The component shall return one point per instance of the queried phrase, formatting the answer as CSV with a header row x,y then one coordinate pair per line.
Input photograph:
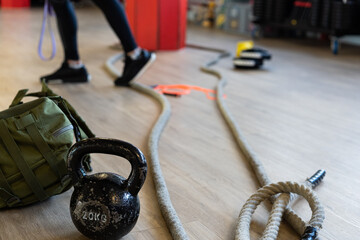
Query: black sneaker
x,y
66,74
134,68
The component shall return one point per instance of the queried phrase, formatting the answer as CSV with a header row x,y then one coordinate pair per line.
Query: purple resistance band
x,y
48,10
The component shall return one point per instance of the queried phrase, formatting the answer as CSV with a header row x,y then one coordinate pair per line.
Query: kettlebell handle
x,y
108,146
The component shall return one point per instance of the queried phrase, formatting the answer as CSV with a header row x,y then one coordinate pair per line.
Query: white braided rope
x,y
109,65
172,220
167,210
243,225
174,224
282,205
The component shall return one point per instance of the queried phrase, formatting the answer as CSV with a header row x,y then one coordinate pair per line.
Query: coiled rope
x,y
279,207
269,190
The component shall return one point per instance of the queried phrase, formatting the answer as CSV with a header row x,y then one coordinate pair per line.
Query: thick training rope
x,y
273,225
166,207
242,231
280,207
172,220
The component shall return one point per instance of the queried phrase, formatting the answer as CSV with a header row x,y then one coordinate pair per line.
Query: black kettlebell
x,y
105,205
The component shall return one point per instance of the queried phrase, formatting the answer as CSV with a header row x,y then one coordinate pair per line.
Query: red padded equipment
x,y
158,24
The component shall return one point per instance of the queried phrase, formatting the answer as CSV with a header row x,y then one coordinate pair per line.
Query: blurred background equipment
x,y
334,18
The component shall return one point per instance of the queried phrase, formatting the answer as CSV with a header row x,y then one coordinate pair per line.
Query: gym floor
x,y
299,113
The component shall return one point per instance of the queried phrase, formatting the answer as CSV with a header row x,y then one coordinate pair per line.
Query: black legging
x,y
67,24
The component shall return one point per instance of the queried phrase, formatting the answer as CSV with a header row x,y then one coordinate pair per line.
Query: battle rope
x,y
272,228
308,231
166,207
292,218
172,220
47,11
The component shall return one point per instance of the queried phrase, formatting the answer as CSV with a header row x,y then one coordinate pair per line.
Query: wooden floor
x,y
300,113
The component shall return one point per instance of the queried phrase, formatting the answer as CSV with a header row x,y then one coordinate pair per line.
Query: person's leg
x,y
72,69
67,25
116,17
136,59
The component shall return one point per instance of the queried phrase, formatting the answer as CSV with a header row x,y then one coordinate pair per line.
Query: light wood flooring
x,y
299,113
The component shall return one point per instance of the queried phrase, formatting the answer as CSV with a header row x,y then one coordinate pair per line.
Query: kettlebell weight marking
x,y
94,216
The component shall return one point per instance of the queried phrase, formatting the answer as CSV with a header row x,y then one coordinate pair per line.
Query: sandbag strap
x,y
10,199
80,128
18,98
73,116
5,192
24,168
65,110
28,122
